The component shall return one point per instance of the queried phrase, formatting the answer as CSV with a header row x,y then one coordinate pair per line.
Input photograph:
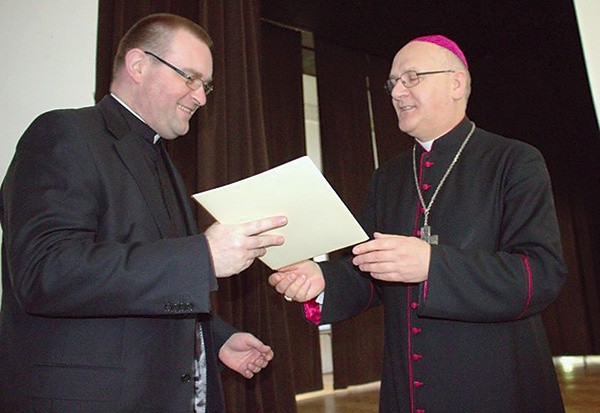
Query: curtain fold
x,y
348,163
232,145
284,124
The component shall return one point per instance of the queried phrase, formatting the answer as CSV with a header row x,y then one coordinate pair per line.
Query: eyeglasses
x,y
410,78
192,82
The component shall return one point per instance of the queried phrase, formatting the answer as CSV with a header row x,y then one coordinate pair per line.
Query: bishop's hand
x,y
394,258
300,282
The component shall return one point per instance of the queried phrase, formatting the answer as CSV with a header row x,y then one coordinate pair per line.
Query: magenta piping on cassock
x,y
529,285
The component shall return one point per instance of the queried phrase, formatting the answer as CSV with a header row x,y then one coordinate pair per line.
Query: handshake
x,y
235,247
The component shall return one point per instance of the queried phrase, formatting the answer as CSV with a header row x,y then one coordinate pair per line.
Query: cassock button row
x,y
418,384
416,330
428,164
417,357
419,411
414,305
425,187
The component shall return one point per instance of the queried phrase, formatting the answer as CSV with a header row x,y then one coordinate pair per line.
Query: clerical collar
x,y
156,136
449,140
426,145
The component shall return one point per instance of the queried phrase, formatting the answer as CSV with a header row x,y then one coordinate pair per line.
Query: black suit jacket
x,y
99,308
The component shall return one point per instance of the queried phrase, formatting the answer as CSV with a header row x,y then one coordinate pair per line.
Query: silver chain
x,y
421,199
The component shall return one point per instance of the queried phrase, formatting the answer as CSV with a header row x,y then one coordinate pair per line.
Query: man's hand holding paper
x,y
235,247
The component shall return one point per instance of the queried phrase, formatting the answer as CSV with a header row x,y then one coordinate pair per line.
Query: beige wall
x,y
588,12
48,50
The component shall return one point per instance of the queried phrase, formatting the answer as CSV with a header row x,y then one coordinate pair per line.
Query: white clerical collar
x,y
156,137
426,145
429,144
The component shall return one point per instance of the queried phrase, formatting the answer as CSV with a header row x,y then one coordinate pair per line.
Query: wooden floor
x,y
579,379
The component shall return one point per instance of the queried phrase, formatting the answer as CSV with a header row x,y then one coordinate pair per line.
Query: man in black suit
x,y
106,282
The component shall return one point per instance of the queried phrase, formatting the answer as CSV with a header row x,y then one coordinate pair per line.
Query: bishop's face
x,y
426,110
167,103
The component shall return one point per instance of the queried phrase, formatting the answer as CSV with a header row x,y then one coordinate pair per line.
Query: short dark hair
x,y
154,33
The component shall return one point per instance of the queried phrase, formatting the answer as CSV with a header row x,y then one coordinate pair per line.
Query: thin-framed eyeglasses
x,y
192,82
411,78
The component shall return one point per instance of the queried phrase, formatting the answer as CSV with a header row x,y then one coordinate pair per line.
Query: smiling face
x,y
163,99
438,102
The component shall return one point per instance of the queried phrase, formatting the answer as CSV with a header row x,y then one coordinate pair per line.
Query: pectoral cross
x,y
426,235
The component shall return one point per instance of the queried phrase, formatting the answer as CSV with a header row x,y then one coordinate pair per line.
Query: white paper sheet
x,y
318,221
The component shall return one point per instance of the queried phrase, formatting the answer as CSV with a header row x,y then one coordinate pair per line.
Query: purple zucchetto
x,y
446,44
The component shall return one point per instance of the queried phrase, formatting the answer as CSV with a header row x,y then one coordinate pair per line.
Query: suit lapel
x,y
128,148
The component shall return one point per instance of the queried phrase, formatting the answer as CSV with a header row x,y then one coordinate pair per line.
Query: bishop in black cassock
x,y
465,255
470,338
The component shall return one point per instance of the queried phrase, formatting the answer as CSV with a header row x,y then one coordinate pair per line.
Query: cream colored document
x,y
318,220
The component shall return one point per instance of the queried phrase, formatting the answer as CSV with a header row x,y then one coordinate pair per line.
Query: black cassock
x,y
470,338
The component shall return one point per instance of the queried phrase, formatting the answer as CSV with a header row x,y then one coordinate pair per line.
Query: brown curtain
x,y
284,124
233,146
227,142
348,164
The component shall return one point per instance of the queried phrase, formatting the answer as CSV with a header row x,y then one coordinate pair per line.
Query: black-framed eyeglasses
x,y
410,78
192,82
